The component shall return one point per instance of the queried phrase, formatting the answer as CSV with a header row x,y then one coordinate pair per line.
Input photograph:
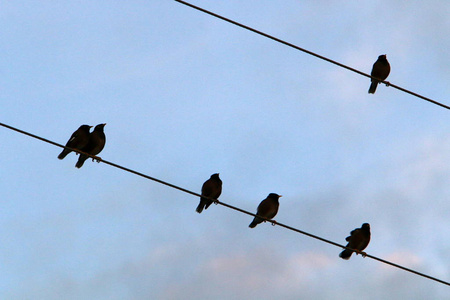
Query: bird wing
x,y
376,70
73,136
267,209
207,188
354,231
357,240
380,70
263,208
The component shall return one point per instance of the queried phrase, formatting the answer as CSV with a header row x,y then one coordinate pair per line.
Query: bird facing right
x,y
78,140
97,140
212,188
268,209
358,240
380,70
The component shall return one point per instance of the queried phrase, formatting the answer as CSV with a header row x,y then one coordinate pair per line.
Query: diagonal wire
x,y
273,222
310,52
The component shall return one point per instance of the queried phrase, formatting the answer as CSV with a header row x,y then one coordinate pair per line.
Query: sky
x,y
186,95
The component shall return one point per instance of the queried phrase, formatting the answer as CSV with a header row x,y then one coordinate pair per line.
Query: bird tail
x,y
346,254
208,203
200,206
81,161
255,222
373,87
64,153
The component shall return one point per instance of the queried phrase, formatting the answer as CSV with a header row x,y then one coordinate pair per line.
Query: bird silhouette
x,y
97,140
380,70
358,240
268,209
78,140
211,188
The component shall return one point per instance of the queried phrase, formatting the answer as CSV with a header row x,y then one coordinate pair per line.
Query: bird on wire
x,y
211,188
78,140
268,209
97,140
358,240
380,70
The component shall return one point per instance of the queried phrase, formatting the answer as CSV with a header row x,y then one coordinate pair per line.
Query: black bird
x,y
380,70
358,240
268,209
97,140
212,188
78,140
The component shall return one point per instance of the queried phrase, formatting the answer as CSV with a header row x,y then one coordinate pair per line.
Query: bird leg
x,y
215,201
273,222
97,158
388,83
363,254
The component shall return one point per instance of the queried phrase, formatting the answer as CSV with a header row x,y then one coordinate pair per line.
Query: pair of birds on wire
x,y
268,208
89,142
212,188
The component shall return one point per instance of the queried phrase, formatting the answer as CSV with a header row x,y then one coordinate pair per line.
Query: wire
x,y
273,222
310,53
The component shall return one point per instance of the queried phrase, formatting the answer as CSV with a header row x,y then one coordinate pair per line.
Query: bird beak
x,y
90,127
280,196
104,124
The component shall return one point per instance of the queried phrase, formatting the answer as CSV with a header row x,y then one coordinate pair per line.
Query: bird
x,y
211,188
358,240
97,140
380,70
78,140
268,209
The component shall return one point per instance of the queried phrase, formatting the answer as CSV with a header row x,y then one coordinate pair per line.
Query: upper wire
x,y
273,222
311,53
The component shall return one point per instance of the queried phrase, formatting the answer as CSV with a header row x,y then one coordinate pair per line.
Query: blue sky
x,y
185,95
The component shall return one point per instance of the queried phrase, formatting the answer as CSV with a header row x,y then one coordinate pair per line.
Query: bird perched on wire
x,y
78,140
380,70
211,188
97,140
268,209
358,240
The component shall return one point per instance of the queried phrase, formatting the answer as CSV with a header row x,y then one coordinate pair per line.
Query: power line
x,y
273,222
309,52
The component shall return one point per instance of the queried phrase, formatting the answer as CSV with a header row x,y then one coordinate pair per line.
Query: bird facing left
x,y
78,140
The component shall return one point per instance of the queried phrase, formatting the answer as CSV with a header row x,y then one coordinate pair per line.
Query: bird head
x,y
85,127
100,126
274,196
